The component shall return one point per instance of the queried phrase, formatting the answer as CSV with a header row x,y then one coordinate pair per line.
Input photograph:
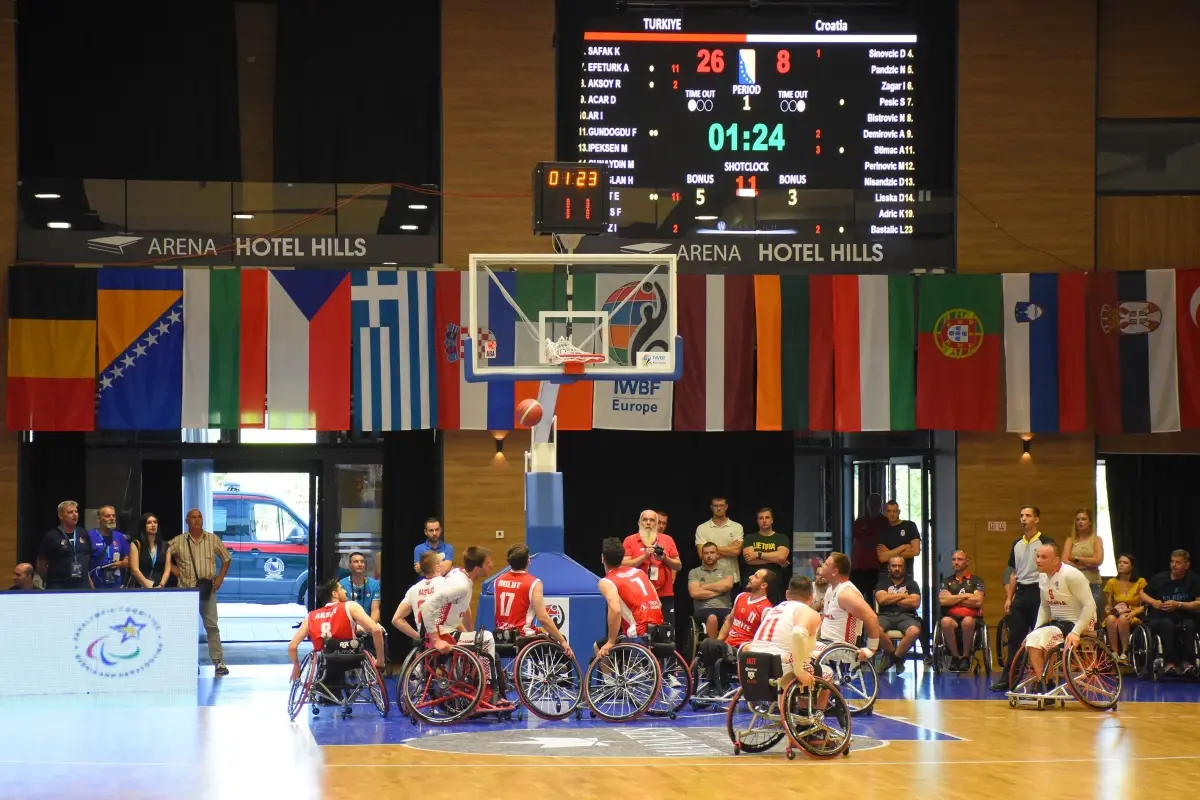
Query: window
x,y
1142,157
219,521
1103,523
268,523
276,436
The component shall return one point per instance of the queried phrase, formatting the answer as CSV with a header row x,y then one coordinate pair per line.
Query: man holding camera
x,y
195,554
655,554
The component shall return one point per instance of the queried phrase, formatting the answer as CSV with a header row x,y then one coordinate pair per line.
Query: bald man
x,y
655,554
23,578
195,554
961,599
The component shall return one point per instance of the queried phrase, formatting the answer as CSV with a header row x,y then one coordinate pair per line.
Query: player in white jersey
x,y
844,611
789,630
445,609
417,594
1068,607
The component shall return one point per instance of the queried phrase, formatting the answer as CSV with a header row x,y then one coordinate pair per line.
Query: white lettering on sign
x,y
659,24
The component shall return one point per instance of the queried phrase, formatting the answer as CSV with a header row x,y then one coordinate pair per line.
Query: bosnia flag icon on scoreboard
x,y
746,68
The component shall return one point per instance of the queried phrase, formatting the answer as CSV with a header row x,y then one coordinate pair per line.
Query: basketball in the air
x,y
529,412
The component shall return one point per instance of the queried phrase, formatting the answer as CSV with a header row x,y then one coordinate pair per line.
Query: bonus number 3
x,y
710,60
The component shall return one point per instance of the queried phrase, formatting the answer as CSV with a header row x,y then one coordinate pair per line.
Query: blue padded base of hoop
x,y
551,374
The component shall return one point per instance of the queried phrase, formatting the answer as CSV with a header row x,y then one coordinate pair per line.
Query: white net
x,y
564,351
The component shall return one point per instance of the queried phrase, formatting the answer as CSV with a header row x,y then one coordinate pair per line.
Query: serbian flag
x,y
1045,352
1133,348
716,321
794,326
308,350
1187,299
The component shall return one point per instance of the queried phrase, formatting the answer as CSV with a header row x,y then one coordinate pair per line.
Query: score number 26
x,y
714,61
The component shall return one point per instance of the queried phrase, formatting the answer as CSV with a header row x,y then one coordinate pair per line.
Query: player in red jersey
x,y
334,620
519,600
739,627
632,602
430,566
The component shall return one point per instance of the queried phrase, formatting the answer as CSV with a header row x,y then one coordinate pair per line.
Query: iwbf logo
x,y
636,397
638,331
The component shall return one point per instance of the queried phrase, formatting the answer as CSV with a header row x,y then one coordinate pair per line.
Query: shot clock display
x,y
834,122
570,198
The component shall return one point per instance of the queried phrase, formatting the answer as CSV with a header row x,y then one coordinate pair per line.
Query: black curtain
x,y
134,90
51,468
412,493
358,92
162,495
609,477
1151,506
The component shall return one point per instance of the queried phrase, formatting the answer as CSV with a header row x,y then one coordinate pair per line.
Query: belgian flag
x,y
51,349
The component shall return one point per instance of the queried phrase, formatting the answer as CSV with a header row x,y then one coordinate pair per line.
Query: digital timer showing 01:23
x,y
757,138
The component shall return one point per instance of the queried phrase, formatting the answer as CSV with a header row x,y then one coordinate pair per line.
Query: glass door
x,y
908,485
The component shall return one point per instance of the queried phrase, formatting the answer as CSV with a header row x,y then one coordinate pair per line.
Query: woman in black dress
x,y
147,553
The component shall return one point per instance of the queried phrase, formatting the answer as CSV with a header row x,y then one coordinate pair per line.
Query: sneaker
x,y
999,686
1171,669
221,668
898,663
1190,670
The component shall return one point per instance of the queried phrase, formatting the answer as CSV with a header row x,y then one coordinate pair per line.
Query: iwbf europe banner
x,y
638,316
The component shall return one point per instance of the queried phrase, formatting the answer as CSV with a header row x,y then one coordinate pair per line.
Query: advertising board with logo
x,y
637,336
98,642
559,609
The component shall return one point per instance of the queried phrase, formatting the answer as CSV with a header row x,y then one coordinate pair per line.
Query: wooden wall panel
x,y
8,254
1026,134
994,482
1148,232
1147,58
497,120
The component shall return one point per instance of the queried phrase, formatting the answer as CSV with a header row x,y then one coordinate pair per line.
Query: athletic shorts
x,y
1052,634
898,621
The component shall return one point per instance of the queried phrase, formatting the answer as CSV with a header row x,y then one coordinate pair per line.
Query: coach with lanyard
x,y
1022,597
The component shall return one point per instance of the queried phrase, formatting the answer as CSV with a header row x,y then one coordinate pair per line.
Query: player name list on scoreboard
x,y
722,115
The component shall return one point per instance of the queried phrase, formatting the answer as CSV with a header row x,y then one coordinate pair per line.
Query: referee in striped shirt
x,y
1022,597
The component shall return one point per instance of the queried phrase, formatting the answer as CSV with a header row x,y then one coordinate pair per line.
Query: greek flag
x,y
392,318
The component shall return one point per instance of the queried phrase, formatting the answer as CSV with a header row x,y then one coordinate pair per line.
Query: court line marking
x,y
916,725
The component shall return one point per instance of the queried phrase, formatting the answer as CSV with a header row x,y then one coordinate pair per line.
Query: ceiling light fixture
x,y
408,227
48,196
59,225
243,216
418,207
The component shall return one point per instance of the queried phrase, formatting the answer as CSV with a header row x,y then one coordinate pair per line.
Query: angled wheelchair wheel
x,y
1020,676
1001,647
302,686
857,680
376,686
1093,675
753,727
443,689
817,718
676,688
1141,653
986,643
624,684
548,681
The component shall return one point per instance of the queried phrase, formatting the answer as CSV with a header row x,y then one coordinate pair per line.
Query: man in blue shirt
x,y
110,551
433,541
360,588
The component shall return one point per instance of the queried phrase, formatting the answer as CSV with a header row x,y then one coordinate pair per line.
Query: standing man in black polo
x,y
1022,597
899,537
65,554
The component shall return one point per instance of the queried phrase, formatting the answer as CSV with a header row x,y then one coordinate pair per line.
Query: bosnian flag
x,y
1045,352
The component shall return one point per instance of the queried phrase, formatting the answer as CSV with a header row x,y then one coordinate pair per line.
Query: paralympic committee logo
x,y
958,333
118,642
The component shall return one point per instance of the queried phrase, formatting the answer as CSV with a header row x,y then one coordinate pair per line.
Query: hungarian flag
x,y
1187,297
1135,385
873,352
794,320
1045,352
716,321
958,352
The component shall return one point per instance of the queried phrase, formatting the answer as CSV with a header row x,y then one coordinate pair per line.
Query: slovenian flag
x,y
1045,352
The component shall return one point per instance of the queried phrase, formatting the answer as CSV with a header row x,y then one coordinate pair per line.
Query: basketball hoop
x,y
565,353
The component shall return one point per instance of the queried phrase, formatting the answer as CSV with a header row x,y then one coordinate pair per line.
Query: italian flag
x,y
960,331
794,321
873,355
224,348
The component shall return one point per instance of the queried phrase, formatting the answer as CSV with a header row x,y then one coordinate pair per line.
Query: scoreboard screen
x,y
744,121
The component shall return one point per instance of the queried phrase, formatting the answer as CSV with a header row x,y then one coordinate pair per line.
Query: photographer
x,y
195,554
655,554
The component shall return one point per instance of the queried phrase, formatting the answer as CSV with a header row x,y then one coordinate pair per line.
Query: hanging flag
x,y
958,352
474,406
140,335
716,321
392,314
874,352
224,348
1045,352
51,349
543,291
794,321
308,350
639,310
1133,349
1187,314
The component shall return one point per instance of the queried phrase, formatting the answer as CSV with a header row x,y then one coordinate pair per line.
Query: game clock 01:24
x,y
570,198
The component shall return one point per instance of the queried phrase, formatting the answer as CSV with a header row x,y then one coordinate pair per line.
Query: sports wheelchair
x,y
636,678
700,697
548,682
857,680
979,654
444,689
357,675
1087,674
815,718
1145,652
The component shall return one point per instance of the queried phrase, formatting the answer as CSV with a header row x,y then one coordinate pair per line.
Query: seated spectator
x,y
709,585
961,599
1174,599
1123,606
360,588
898,598
23,578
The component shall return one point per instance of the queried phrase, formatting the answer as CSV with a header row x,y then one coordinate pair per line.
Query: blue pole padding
x,y
544,512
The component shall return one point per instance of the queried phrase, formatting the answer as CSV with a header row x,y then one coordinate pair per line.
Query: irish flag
x,y
873,352
959,334
794,320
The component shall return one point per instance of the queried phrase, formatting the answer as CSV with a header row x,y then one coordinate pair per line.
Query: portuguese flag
x,y
959,332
